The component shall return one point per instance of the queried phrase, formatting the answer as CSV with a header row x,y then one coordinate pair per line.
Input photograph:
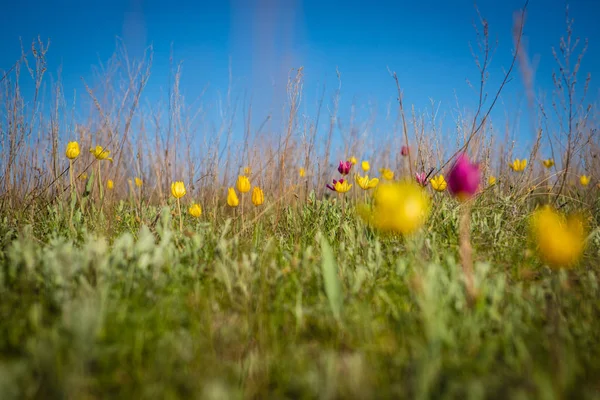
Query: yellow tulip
x,y
584,180
559,240
353,160
365,166
518,165
100,153
258,197
72,150
387,174
195,210
342,187
549,163
365,183
178,189
243,184
138,182
302,172
492,180
398,207
110,184
438,183
232,199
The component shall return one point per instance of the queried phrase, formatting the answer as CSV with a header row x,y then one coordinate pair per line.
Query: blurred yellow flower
x,y
302,172
387,174
365,166
232,199
353,160
100,153
138,182
342,186
178,189
438,183
365,183
492,180
243,184
195,210
83,176
559,240
518,165
584,180
247,171
72,150
110,184
549,163
398,207
258,197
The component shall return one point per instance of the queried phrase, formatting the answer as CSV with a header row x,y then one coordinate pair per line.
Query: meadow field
x,y
146,255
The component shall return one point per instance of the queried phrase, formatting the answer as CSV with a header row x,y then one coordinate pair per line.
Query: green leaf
x,y
333,288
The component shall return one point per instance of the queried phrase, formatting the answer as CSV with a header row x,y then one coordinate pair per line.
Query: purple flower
x,y
404,151
421,178
344,167
464,178
332,187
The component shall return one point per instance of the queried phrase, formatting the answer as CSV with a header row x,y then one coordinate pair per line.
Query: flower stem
x,y
466,250
180,217
73,193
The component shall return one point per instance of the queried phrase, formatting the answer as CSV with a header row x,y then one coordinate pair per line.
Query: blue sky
x,y
425,42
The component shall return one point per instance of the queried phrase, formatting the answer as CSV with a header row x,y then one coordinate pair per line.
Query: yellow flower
x,y
584,180
559,240
247,171
365,166
72,150
549,163
342,187
243,184
492,180
178,189
195,210
138,182
100,153
365,183
302,172
83,176
518,165
258,197
398,207
438,183
353,160
110,184
232,199
387,174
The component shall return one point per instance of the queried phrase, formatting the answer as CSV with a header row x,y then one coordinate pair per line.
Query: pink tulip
x,y
421,178
404,151
464,177
344,167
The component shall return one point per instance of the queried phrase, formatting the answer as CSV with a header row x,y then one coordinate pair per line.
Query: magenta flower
x,y
344,167
404,151
332,187
421,178
464,178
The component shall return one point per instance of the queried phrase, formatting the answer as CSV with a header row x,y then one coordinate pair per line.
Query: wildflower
x,y
398,207
110,184
584,180
463,179
344,167
365,183
247,171
341,186
387,174
421,178
258,197
365,166
232,199
492,180
549,163
195,210
438,183
138,182
302,172
353,160
83,176
243,184
404,151
178,189
559,240
72,151
518,165
101,153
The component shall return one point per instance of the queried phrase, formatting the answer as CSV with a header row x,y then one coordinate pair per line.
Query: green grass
x,y
312,304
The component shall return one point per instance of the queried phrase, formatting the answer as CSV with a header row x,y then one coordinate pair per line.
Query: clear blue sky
x,y
426,42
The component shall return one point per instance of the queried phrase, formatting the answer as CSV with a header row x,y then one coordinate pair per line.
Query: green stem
x,y
180,217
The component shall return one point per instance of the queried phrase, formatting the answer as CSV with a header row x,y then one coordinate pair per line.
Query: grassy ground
x,y
306,303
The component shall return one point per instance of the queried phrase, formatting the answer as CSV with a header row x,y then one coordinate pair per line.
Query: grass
x,y
315,305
